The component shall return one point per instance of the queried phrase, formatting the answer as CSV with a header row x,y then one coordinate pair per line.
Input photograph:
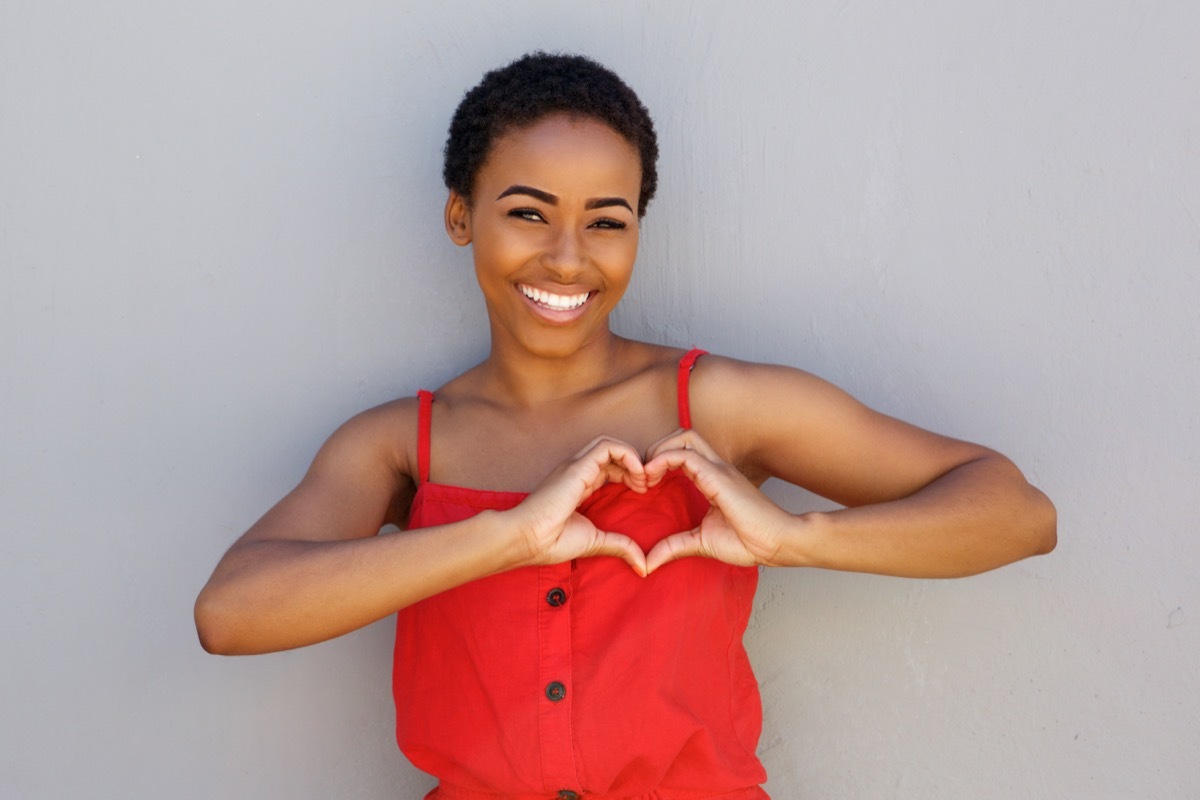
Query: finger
x,y
633,471
683,439
602,444
674,547
631,475
682,442
617,473
621,546
655,448
587,448
620,461
607,461
700,470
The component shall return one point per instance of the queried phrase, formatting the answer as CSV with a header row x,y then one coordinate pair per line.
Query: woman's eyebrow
x,y
549,199
605,202
537,194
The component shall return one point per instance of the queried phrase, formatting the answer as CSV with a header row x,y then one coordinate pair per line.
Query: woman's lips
x,y
558,302
553,306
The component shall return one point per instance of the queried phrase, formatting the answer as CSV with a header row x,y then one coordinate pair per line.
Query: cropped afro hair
x,y
532,87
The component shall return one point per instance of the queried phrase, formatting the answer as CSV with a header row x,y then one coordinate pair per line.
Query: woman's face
x,y
554,227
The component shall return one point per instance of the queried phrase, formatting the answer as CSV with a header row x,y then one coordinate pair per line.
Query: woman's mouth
x,y
554,302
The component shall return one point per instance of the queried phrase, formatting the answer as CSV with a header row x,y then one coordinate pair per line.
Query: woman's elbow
x,y
213,626
1043,516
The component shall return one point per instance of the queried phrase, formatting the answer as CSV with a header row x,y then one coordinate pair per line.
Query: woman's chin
x,y
557,342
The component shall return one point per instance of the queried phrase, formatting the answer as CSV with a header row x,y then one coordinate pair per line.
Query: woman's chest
x,y
487,448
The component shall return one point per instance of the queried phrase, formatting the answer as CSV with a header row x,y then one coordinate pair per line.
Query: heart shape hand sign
x,y
607,500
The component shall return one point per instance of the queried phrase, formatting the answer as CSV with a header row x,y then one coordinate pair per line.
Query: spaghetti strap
x,y
424,424
685,373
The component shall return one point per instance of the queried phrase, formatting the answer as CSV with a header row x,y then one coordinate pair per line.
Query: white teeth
x,y
559,302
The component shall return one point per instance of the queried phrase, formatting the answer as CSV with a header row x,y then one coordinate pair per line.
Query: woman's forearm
x,y
276,594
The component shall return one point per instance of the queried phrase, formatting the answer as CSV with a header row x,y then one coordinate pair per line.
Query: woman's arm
x,y
918,504
312,568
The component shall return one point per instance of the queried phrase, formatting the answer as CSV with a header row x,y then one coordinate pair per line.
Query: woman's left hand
x,y
743,527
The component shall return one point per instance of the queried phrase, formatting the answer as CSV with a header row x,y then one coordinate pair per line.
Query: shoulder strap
x,y
685,373
424,423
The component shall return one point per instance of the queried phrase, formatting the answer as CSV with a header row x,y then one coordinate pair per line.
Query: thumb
x,y
678,545
621,546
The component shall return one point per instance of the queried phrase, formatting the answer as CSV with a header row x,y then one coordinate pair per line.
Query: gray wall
x,y
220,236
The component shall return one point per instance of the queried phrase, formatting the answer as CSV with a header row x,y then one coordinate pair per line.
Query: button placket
x,y
555,675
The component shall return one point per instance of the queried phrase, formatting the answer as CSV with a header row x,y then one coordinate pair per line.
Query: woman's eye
x,y
529,214
609,224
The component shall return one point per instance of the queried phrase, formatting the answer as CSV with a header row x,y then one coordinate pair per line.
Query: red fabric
x,y
657,701
685,372
424,420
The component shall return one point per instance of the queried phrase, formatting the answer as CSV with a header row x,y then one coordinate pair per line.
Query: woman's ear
x,y
458,219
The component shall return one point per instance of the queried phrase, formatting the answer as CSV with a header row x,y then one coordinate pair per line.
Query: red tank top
x,y
582,679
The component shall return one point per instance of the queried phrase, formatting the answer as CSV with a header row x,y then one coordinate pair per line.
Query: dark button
x,y
556,691
556,597
567,794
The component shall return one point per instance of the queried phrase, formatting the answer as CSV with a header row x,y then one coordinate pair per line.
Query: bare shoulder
x,y
381,437
360,479
728,389
733,402
727,376
747,390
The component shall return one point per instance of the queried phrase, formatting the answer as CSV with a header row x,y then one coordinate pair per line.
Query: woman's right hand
x,y
549,524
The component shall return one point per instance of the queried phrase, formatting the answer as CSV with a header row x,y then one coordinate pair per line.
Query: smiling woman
x,y
582,519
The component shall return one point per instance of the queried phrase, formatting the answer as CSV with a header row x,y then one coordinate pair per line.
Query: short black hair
x,y
535,86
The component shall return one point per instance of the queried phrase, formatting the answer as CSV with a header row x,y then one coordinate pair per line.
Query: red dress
x,y
582,679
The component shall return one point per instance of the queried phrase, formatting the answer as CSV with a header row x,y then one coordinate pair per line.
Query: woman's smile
x,y
553,306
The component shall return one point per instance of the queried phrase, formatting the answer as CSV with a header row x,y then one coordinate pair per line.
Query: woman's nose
x,y
566,254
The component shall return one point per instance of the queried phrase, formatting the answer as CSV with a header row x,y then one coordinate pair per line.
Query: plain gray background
x,y
220,236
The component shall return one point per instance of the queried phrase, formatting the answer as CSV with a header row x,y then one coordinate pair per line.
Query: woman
x,y
583,523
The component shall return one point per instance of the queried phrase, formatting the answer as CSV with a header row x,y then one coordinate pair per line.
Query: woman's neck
x,y
513,374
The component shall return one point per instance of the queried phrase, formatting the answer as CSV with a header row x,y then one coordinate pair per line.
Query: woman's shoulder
x,y
738,404
400,414
735,379
383,435
724,387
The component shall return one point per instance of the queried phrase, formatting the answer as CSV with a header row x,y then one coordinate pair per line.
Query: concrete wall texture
x,y
220,236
